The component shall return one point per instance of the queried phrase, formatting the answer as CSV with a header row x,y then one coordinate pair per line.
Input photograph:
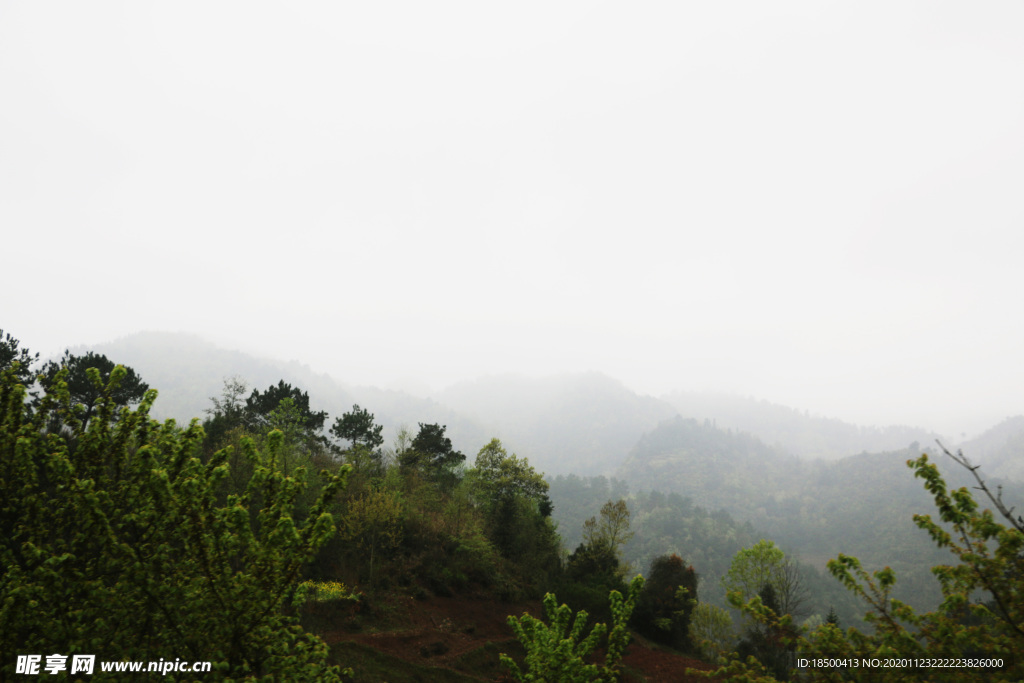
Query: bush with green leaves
x,y
557,652
114,541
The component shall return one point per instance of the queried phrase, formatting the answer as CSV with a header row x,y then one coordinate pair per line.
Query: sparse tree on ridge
x,y
432,453
11,352
86,390
231,403
358,428
365,439
260,404
227,413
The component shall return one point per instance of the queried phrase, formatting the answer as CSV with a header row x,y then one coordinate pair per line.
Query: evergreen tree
x,y
432,453
86,388
358,428
260,404
11,352
364,436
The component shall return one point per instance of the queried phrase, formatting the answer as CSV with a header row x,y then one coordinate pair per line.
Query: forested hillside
x,y
861,505
709,539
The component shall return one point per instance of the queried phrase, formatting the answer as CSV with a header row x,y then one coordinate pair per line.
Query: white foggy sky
x,y
820,204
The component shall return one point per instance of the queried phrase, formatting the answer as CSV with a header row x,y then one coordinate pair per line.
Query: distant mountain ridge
x,y
792,431
585,423
1000,450
187,370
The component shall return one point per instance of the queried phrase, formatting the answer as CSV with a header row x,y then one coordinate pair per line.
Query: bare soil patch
x,y
465,634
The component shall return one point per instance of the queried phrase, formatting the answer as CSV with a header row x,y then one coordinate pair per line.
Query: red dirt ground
x,y
438,631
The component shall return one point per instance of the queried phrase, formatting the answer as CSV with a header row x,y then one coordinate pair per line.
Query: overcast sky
x,y
820,204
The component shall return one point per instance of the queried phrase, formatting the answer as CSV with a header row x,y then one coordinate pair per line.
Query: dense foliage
x,y
114,541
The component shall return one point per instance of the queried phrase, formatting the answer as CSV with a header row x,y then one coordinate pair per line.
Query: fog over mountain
x,y
188,370
584,423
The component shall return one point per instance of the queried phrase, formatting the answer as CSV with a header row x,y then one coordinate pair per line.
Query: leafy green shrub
x,y
323,591
114,542
555,651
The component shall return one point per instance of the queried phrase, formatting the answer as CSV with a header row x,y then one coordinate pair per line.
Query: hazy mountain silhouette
x,y
580,423
793,431
187,370
1000,450
585,423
